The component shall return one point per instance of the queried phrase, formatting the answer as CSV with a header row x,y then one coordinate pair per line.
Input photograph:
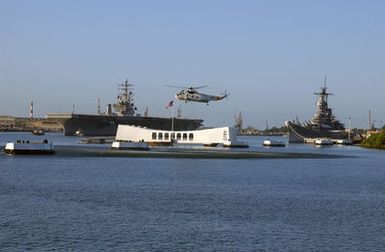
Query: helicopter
x,y
192,94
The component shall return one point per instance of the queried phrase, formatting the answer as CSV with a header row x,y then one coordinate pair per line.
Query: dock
x,y
97,140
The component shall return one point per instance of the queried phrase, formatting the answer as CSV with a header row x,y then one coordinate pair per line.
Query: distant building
x,y
7,122
372,132
29,124
10,123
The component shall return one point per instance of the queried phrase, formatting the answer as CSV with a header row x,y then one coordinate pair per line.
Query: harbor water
x,y
166,204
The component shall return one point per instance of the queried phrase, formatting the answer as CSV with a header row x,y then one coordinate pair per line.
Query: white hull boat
x,y
274,143
129,145
343,141
29,147
323,141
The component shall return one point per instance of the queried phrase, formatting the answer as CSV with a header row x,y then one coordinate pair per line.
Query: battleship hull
x,y
301,134
106,125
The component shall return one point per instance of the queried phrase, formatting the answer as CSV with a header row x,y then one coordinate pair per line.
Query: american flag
x,y
169,104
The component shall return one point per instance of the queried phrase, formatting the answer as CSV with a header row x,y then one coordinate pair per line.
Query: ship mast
x,y
238,122
324,118
125,101
98,107
322,102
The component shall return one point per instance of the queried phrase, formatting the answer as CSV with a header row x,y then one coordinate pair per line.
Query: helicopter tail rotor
x,y
225,94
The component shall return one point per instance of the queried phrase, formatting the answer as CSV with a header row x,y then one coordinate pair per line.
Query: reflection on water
x,y
74,203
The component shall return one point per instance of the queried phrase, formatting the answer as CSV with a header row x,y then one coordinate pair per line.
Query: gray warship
x,y
105,124
322,125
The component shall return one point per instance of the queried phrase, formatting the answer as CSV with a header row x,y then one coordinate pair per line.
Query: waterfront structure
x,y
7,123
105,124
10,123
322,125
225,136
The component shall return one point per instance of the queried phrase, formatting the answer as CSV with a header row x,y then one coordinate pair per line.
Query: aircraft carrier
x,y
105,124
322,125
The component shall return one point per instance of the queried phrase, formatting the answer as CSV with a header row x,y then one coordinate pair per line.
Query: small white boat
x,y
38,132
129,145
323,141
274,143
343,141
78,133
29,147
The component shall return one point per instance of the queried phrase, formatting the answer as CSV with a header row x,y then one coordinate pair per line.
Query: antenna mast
x,y
98,105
325,83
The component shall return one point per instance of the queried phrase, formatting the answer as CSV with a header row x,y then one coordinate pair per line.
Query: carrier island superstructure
x,y
105,124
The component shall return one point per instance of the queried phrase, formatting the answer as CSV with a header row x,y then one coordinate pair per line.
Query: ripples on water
x,y
73,203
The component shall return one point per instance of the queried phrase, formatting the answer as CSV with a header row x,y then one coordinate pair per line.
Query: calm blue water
x,y
97,203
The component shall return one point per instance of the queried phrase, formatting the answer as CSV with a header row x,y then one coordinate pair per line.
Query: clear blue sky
x,y
270,55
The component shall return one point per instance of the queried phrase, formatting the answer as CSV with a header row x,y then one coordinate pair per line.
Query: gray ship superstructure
x,y
124,105
322,125
125,113
324,119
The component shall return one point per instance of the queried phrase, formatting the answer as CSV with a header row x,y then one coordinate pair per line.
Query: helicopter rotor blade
x,y
199,87
174,86
186,87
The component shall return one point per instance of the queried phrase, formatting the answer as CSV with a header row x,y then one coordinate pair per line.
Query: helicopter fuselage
x,y
194,96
